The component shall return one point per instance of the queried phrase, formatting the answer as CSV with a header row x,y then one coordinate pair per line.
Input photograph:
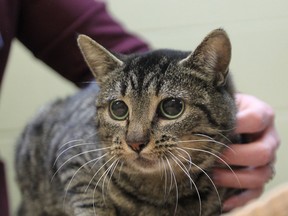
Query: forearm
x,y
50,28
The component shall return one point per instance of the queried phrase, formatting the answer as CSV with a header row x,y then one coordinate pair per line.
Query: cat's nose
x,y
137,146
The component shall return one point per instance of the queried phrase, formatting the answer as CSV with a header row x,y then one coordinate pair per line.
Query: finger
x,y
251,121
257,153
254,115
248,178
241,199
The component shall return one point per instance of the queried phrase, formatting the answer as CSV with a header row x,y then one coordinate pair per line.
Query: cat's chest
x,y
160,195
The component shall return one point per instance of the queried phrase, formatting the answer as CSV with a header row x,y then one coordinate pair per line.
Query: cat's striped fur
x,y
147,147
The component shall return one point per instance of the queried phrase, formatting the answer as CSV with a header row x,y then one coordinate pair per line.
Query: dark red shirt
x,y
49,29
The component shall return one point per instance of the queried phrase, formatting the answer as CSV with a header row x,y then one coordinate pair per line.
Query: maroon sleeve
x,y
3,192
49,28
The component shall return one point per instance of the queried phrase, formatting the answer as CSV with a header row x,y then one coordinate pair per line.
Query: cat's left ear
x,y
212,57
99,60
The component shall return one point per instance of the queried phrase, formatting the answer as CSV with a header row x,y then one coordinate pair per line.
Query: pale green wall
x,y
259,35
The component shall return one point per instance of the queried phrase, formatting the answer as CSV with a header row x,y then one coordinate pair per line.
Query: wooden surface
x,y
274,203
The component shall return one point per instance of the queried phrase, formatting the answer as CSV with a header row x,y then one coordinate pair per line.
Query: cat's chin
x,y
144,163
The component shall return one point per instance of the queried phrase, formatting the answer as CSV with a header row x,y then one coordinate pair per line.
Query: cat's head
x,y
164,107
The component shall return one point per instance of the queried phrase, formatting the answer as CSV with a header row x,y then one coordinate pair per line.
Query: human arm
x,y
50,28
255,120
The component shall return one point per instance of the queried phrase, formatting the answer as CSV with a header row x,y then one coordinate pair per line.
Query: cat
x,y
143,141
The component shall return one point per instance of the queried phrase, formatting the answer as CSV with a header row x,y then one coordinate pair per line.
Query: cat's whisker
x,y
225,137
92,135
217,142
104,176
113,170
186,172
75,173
171,176
98,159
78,140
160,168
120,170
219,158
227,130
185,152
175,182
208,140
77,145
206,147
96,185
206,174
182,166
71,158
69,142
165,177
98,172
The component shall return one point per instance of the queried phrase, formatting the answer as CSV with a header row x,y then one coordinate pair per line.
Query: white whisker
x,y
78,140
226,138
113,170
216,190
69,142
98,172
182,166
165,179
75,173
77,145
206,140
104,174
190,159
120,169
219,158
217,142
71,158
186,172
175,182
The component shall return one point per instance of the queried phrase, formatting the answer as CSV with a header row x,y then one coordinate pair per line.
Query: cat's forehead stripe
x,y
143,73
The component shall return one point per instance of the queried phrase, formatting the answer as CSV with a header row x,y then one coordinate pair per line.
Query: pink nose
x,y
137,146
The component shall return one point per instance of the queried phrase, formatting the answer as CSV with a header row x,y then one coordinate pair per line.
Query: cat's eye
x,y
171,108
118,110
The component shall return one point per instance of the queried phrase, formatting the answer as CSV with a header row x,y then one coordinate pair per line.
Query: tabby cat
x,y
141,142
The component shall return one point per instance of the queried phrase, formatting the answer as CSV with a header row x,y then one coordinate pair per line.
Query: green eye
x,y
171,108
118,110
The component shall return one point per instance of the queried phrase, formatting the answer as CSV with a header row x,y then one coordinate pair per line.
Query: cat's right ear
x,y
99,60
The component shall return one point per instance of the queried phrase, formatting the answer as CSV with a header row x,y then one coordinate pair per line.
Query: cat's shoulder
x,y
65,109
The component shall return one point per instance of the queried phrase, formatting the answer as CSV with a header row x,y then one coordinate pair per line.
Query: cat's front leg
x,y
94,212
81,208
85,199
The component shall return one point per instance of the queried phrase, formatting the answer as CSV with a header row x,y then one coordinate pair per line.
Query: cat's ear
x,y
211,57
99,60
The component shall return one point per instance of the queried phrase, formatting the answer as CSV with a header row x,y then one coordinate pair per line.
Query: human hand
x,y
255,120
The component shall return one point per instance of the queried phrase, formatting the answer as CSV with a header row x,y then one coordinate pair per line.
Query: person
x,y
49,30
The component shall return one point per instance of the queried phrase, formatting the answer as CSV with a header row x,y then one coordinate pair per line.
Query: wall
x,y
258,31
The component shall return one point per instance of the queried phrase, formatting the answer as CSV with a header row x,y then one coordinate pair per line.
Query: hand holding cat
x,y
255,119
